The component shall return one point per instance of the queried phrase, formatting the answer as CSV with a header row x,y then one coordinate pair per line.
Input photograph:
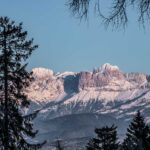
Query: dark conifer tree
x,y
59,145
138,135
15,49
106,139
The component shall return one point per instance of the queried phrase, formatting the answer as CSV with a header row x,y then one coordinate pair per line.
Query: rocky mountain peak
x,y
106,75
108,67
42,73
45,86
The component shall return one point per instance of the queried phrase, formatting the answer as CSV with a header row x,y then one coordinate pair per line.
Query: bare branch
x,y
79,8
118,15
144,8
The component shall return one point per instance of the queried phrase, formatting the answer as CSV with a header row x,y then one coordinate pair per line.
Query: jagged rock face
x,y
45,85
100,77
42,73
111,71
88,79
108,77
139,79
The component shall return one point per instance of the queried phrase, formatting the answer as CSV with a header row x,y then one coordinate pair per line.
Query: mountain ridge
x,y
48,86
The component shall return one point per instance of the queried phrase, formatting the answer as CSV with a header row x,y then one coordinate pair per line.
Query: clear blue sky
x,y
65,44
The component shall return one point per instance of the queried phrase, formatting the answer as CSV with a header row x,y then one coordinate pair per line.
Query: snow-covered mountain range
x,y
73,104
105,83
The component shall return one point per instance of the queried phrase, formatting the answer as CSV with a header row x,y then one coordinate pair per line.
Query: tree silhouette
x,y
106,139
117,15
15,127
138,134
59,145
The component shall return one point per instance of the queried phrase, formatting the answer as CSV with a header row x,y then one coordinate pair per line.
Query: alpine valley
x,y
71,105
